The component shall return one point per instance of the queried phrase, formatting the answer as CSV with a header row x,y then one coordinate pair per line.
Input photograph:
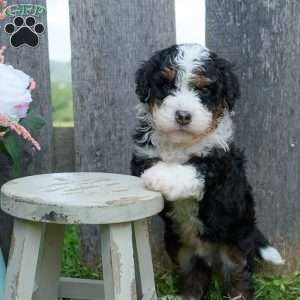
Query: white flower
x,y
15,96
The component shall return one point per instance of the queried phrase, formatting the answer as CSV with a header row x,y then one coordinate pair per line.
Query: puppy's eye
x,y
168,74
201,82
205,91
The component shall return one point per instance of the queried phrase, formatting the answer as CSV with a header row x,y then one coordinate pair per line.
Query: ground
x,y
268,286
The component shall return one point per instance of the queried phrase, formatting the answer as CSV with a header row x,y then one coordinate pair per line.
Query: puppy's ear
x,y
142,88
230,83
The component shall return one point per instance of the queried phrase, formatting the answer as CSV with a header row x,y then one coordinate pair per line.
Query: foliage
x,y
71,265
11,145
277,287
62,102
16,118
166,283
268,286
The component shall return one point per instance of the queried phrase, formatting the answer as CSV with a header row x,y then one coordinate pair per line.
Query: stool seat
x,y
79,198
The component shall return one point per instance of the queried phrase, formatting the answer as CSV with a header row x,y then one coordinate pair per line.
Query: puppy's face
x,y
186,88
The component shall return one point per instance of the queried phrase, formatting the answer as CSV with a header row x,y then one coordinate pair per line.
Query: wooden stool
x,y
42,204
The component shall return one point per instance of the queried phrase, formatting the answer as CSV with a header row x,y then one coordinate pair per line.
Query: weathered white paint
x,y
87,198
118,263
23,259
36,253
75,288
143,261
48,273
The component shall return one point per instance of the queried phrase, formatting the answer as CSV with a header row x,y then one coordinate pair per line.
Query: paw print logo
x,y
24,32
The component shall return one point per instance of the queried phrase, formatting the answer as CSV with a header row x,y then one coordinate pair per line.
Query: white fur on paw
x,y
174,181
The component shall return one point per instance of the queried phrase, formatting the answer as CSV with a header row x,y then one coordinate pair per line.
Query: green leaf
x,y
2,147
33,121
13,146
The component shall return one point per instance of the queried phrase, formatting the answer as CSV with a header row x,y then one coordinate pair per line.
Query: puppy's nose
x,y
183,117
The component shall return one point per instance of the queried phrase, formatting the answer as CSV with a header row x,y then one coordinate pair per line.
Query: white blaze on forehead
x,y
189,57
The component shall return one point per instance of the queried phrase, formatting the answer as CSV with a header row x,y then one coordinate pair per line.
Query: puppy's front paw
x,y
153,178
174,181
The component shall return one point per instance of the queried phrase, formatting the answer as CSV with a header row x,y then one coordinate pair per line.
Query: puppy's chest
x,y
171,154
184,214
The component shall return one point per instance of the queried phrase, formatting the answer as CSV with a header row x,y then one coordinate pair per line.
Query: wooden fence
x,y
263,39
110,38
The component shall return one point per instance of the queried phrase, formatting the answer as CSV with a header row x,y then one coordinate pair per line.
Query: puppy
x,y
184,149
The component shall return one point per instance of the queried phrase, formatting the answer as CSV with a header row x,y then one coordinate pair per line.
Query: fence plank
x,y
35,62
109,40
63,149
263,38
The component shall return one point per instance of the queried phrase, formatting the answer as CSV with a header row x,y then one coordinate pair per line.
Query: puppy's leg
x,y
237,274
172,241
195,279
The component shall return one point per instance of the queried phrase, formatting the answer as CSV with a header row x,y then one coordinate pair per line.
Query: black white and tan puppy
x,y
184,149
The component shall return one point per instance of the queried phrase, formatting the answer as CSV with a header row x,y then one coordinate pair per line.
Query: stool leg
x,y
117,261
49,263
23,259
143,257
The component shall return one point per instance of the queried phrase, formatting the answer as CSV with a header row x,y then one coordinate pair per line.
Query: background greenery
x,y
268,286
61,90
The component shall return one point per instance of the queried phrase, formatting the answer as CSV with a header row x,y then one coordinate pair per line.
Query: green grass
x,y
278,287
268,287
71,266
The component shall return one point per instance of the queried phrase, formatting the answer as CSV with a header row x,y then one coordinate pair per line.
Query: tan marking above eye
x,y
169,74
200,80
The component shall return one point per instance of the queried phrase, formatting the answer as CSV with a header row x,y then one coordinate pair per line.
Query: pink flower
x,y
3,5
19,129
2,57
22,109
